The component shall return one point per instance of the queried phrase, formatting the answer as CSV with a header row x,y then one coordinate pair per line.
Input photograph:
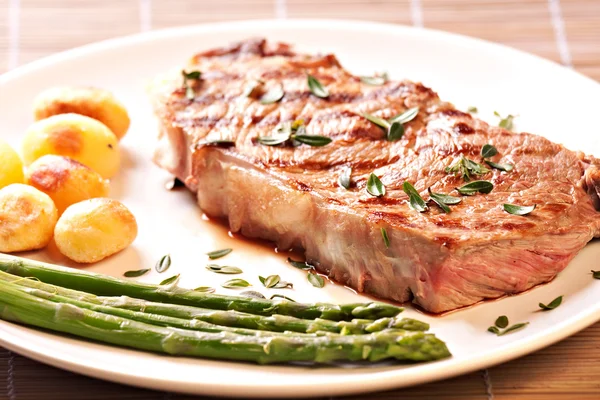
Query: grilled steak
x,y
290,193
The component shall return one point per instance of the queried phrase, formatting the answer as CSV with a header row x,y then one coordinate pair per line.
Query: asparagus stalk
x,y
21,307
149,318
104,285
275,323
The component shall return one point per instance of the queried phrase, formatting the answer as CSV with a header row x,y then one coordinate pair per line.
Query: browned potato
x,y
94,229
95,103
75,136
27,218
66,181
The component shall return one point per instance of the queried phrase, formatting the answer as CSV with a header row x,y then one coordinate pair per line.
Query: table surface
x,y
566,31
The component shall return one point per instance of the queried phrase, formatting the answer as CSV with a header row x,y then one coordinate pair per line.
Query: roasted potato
x,y
95,103
94,229
11,166
27,218
66,181
75,136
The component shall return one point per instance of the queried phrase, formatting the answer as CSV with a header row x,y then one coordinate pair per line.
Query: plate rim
x,y
382,380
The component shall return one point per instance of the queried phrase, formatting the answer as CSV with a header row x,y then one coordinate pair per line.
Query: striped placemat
x,y
566,31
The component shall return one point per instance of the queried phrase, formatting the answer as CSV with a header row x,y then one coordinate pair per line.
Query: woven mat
x,y
566,31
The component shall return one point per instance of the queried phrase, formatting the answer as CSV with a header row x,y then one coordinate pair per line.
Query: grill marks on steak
x,y
291,196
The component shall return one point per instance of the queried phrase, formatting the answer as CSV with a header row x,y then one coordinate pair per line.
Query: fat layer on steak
x,y
290,195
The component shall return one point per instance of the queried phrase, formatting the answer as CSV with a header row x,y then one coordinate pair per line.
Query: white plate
x,y
549,100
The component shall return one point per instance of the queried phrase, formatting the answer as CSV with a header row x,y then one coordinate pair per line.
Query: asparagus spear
x,y
21,307
276,323
104,285
149,318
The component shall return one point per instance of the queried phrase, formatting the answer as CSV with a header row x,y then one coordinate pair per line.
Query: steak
x,y
290,194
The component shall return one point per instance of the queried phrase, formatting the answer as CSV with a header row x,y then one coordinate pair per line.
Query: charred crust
x,y
451,112
463,129
303,187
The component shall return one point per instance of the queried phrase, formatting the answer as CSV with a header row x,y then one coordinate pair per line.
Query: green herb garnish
x,y
205,289
187,76
213,255
488,151
466,168
395,132
471,188
395,126
312,140
274,281
274,140
163,264
493,329
374,186
552,305
406,116
513,328
501,167
300,264
273,95
416,201
170,280
472,110
380,122
443,200
501,321
316,87
506,123
316,280
235,283
376,80
296,132
344,179
270,281
386,239
223,269
136,273
280,296
518,210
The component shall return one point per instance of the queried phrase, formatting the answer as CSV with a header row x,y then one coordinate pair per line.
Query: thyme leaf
x,y
518,210
374,186
171,280
213,255
488,151
136,273
316,87
223,269
406,116
272,96
416,201
472,188
163,264
235,283
300,264
552,305
316,280
344,180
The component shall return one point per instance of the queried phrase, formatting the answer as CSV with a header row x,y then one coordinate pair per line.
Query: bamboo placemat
x,y
566,31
